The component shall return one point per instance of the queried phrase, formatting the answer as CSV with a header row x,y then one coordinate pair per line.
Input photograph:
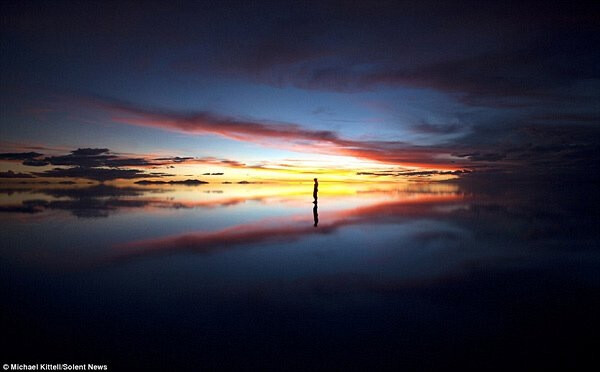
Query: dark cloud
x,y
536,149
85,158
89,158
515,49
11,174
175,159
527,76
19,155
14,190
183,182
128,162
89,152
569,118
92,163
101,164
35,163
431,173
32,159
98,174
407,173
378,173
488,54
476,156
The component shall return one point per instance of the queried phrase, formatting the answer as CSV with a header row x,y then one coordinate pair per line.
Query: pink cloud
x,y
282,135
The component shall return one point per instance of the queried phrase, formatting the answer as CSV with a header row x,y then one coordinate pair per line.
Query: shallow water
x,y
392,275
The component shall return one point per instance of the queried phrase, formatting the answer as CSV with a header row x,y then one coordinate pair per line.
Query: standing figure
x,y
315,208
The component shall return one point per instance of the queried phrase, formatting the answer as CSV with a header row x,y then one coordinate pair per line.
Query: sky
x,y
266,91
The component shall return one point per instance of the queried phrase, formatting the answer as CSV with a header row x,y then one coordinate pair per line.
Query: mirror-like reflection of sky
x,y
391,269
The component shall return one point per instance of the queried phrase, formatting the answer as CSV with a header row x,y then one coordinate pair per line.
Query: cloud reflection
x,y
102,200
285,230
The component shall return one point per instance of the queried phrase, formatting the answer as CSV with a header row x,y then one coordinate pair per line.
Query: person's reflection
x,y
315,208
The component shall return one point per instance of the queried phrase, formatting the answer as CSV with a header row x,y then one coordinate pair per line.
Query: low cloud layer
x,y
412,173
97,164
11,174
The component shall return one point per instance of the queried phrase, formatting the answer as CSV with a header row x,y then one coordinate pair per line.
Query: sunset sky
x,y
158,209
343,91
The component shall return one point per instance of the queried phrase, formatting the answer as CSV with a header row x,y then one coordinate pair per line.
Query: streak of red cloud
x,y
285,135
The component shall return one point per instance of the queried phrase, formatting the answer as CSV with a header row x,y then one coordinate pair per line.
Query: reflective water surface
x,y
257,275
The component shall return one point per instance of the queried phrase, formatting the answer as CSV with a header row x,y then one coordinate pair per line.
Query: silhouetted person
x,y
315,213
